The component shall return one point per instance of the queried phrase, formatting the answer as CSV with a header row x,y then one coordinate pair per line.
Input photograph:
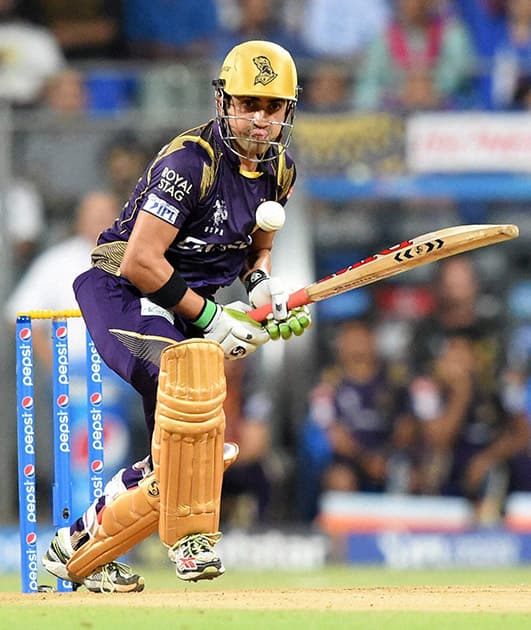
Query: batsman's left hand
x,y
262,290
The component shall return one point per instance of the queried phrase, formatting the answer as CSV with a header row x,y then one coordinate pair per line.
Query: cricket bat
x,y
401,257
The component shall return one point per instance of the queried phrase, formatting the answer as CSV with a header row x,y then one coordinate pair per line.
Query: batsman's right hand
x,y
297,321
236,332
282,323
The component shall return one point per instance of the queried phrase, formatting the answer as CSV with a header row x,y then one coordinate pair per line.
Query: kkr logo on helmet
x,y
266,73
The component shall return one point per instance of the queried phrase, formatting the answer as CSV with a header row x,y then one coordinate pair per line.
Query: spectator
x,y
177,33
47,285
473,445
340,29
511,54
482,18
85,30
421,62
170,29
124,159
72,94
65,94
64,141
29,56
326,89
48,282
259,20
246,484
360,432
24,222
461,306
522,94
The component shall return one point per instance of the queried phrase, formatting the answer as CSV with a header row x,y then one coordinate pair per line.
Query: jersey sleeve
x,y
174,183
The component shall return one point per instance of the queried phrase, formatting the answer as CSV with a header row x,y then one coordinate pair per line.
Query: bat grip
x,y
299,298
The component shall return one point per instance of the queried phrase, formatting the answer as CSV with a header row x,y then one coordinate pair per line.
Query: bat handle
x,y
299,298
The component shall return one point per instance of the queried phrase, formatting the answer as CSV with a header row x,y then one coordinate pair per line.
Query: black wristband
x,y
170,293
254,278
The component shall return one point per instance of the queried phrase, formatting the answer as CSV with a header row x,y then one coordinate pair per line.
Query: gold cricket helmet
x,y
259,69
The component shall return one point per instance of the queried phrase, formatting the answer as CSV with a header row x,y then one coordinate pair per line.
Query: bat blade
x,y
394,260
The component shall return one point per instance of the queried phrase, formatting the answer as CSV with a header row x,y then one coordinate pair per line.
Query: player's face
x,y
256,121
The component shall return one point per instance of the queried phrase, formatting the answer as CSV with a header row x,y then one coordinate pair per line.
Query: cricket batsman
x,y
148,300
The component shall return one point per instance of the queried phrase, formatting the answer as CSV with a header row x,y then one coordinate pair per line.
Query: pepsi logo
x,y
61,332
29,470
27,402
24,334
62,400
31,538
96,398
96,466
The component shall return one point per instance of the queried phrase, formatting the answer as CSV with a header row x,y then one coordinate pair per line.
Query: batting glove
x,y
236,332
298,320
262,289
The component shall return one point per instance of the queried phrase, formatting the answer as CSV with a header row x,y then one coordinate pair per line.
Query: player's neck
x,y
248,165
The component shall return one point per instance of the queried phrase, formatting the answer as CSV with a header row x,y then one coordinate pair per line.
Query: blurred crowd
x,y
449,413
63,65
378,55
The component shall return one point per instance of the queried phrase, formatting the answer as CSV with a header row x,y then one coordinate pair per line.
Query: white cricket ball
x,y
270,216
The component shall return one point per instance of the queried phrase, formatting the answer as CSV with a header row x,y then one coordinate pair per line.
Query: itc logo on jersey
x,y
160,208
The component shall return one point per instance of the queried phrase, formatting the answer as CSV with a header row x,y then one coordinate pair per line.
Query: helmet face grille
x,y
258,69
272,148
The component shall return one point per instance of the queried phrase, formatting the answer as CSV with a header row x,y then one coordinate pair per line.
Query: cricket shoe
x,y
114,577
195,559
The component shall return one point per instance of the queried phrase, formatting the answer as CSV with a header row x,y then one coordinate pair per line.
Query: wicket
x,y
62,490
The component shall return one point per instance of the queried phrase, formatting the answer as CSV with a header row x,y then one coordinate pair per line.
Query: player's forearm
x,y
161,283
343,443
259,256
511,442
259,259
444,429
147,276
191,305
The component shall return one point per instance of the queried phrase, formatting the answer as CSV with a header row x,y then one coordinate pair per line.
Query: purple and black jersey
x,y
210,200
194,183
370,410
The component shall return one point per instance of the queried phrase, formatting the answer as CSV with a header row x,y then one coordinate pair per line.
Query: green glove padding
x,y
299,319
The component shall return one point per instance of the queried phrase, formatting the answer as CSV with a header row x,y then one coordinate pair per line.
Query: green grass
x,y
52,616
330,577
148,618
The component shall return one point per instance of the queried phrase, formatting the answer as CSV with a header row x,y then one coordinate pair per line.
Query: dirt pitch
x,y
515,599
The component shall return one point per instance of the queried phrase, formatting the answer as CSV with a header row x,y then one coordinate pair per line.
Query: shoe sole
x,y
209,573
59,570
138,587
